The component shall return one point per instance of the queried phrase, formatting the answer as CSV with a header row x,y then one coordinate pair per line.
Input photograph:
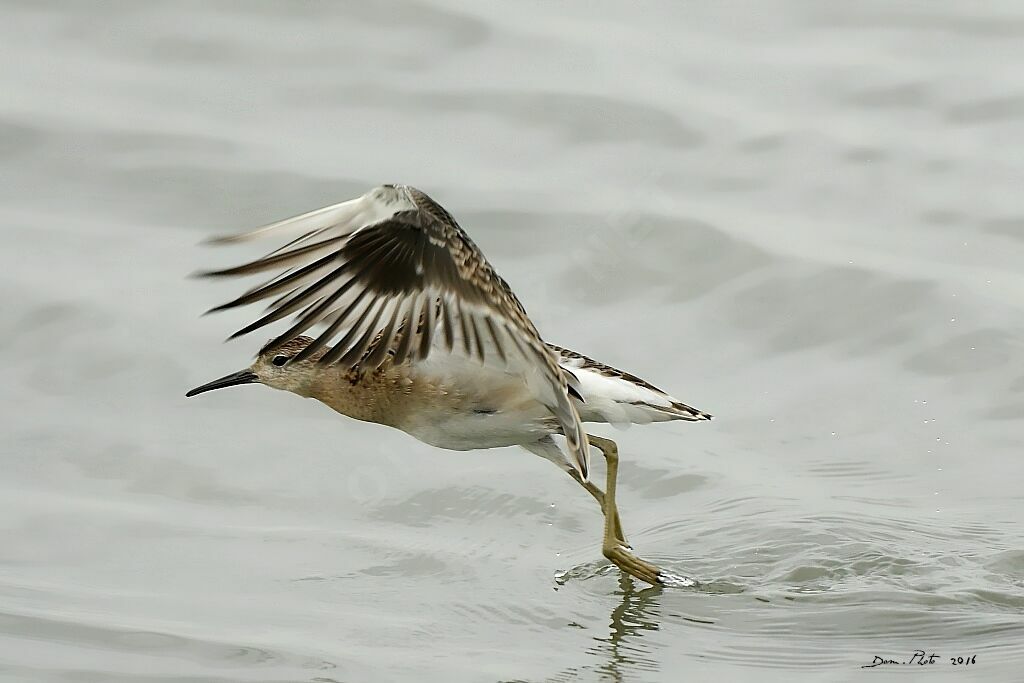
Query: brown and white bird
x,y
418,332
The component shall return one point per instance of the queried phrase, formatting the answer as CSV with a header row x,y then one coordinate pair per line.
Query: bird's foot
x,y
622,557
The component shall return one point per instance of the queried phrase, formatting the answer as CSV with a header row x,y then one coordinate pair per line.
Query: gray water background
x,y
804,217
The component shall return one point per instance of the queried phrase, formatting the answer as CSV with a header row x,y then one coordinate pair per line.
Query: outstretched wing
x,y
392,270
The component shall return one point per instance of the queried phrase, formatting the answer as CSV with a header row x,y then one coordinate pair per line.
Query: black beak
x,y
235,378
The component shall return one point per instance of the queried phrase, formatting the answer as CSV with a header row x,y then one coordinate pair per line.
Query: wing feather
x,y
393,272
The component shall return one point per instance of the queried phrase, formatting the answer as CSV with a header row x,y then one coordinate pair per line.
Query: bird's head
x,y
274,367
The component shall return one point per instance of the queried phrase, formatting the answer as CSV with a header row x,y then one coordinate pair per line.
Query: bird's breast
x,y
456,411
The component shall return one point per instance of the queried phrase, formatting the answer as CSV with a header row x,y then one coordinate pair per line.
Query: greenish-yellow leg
x,y
614,546
598,495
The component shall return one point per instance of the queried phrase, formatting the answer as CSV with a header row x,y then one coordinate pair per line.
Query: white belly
x,y
469,431
476,407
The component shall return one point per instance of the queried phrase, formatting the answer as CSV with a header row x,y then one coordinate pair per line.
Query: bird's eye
x,y
279,360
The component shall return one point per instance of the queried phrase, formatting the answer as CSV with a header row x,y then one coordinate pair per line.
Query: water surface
x,y
805,218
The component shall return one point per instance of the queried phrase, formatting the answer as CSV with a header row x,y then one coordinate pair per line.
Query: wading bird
x,y
420,333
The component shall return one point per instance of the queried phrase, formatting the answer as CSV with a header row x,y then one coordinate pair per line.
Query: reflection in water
x,y
637,614
623,651
822,248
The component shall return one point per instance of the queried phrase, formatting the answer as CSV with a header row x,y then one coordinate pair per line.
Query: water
x,y
804,217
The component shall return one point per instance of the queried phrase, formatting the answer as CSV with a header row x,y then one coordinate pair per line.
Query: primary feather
x,y
393,271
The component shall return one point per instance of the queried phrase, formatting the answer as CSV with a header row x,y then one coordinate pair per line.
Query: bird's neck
x,y
370,396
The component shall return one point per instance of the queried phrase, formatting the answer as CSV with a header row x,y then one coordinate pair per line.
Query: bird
x,y
415,330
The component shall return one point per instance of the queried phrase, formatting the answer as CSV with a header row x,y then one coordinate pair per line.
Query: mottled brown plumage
x,y
389,258
418,332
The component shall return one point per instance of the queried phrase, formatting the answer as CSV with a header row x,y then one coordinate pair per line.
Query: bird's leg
x,y
547,449
614,548
598,495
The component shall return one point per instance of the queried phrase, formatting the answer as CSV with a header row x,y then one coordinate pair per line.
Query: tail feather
x,y
681,411
619,398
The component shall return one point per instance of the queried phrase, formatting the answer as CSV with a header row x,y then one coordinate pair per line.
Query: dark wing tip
x,y
217,309
219,240
584,470
224,272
